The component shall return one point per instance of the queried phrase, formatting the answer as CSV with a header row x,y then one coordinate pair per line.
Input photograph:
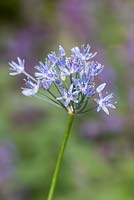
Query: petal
x,y
13,65
13,73
27,92
67,101
98,108
93,55
21,62
100,87
111,105
61,51
75,95
52,57
46,84
75,81
76,51
59,98
85,49
59,82
70,89
105,109
108,97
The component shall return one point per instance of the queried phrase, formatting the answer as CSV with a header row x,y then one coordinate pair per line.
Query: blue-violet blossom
x,y
104,102
17,68
31,89
68,82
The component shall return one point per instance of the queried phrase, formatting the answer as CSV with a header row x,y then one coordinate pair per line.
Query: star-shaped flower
x,y
83,53
70,67
32,88
69,95
17,68
84,86
46,72
104,102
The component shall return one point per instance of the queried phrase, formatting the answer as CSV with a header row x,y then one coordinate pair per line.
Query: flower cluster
x,y
67,82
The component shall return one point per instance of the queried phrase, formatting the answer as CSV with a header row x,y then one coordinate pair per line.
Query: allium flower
x,y
61,51
70,67
46,72
17,68
69,95
32,88
95,68
52,57
68,82
84,86
83,53
104,102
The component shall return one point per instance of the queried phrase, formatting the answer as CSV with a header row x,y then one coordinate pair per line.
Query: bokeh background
x,y
99,159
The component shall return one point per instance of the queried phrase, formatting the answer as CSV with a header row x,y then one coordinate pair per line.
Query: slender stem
x,y
60,157
57,88
46,100
56,99
46,96
29,76
84,105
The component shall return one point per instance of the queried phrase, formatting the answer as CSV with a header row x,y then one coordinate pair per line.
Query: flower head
x,y
17,68
69,82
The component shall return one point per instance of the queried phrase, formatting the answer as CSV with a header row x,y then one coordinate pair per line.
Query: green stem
x,y
60,157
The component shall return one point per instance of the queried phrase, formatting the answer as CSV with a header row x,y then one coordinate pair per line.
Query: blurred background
x,y
99,159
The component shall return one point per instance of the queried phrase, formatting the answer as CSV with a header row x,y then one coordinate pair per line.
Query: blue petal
x,y
61,51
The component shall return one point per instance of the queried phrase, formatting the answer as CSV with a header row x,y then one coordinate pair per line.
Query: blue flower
x,y
45,84
69,68
52,57
68,96
91,69
95,68
104,102
71,78
32,88
46,72
61,51
61,62
83,53
17,68
84,86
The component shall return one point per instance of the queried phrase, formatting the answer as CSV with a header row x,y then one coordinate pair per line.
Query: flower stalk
x,y
68,83
60,157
